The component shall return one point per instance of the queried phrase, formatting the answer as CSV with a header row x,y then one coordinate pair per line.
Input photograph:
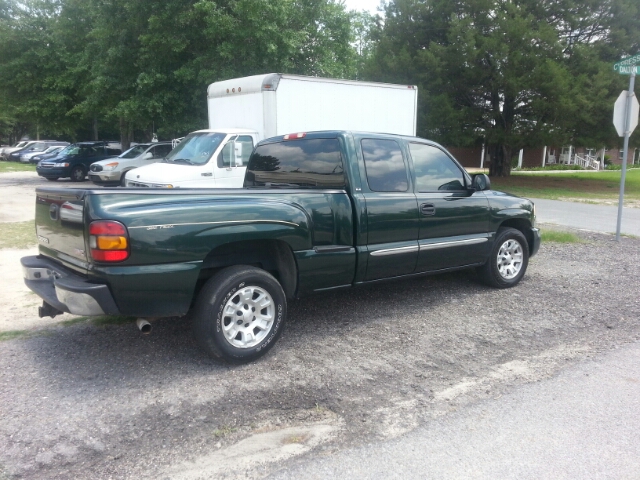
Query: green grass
x,y
18,234
559,237
100,321
551,167
11,334
6,167
603,185
223,431
97,321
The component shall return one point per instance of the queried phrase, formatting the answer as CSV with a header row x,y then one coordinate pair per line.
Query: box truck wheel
x,y
239,313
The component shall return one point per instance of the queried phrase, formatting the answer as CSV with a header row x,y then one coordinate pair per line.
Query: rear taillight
x,y
109,241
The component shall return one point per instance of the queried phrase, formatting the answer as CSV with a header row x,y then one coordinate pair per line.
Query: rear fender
x,y
179,228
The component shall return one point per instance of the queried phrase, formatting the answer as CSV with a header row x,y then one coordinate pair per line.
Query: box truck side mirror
x,y
237,149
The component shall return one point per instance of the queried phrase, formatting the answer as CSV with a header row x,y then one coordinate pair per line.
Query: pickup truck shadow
x,y
115,356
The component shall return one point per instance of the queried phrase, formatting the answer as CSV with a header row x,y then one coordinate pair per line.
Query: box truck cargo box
x,y
243,111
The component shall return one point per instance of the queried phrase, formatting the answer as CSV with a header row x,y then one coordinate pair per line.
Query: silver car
x,y
112,170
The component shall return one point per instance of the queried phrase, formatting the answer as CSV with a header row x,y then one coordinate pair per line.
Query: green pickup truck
x,y
318,211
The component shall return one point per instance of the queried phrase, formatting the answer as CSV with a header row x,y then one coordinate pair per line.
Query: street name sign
x,y
628,65
625,119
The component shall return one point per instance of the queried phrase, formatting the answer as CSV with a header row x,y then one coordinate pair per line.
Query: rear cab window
x,y
384,164
300,163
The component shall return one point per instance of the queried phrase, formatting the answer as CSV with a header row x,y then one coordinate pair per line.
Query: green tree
x,y
513,74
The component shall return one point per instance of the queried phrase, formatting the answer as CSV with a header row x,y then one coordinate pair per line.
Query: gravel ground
x,y
87,401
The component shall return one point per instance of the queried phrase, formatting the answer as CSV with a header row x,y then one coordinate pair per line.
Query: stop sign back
x,y
620,113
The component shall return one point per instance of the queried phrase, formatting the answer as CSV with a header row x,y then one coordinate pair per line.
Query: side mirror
x,y
147,156
237,149
480,182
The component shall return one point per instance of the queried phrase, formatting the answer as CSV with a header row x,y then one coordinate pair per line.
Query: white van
x,y
203,159
243,111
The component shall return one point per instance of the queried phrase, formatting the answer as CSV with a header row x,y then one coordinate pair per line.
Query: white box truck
x,y
243,111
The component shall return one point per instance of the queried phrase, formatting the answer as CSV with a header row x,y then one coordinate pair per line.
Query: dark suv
x,y
75,159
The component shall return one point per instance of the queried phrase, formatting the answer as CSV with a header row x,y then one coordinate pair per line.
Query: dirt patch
x,y
18,304
19,194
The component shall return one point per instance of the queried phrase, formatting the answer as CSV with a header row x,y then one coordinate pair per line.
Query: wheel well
x,y
274,256
523,225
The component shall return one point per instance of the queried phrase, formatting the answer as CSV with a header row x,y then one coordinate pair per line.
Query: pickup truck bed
x,y
319,211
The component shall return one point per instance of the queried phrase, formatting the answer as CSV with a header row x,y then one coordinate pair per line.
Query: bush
x,y
619,167
552,167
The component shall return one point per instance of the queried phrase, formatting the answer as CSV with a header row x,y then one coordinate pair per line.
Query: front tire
x,y
78,174
508,260
239,313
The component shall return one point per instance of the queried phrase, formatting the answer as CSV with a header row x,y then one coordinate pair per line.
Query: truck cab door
x,y
231,163
391,209
454,219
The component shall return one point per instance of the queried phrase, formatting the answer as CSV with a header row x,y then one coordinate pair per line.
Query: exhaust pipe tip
x,y
144,326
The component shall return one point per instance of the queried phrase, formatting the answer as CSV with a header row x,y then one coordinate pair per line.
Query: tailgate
x,y
60,226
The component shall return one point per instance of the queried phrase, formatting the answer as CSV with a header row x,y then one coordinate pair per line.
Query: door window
x,y
243,147
88,151
160,151
435,171
385,166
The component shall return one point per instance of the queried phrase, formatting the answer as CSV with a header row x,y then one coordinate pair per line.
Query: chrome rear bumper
x,y
65,290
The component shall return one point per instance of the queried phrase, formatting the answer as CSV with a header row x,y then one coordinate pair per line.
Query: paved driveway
x,y
597,218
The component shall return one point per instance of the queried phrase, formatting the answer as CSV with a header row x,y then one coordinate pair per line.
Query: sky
x,y
370,5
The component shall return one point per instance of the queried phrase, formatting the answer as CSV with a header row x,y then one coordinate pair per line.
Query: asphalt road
x,y
584,424
596,218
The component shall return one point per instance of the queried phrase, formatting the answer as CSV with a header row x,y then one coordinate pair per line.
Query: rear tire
x,y
508,260
239,314
78,174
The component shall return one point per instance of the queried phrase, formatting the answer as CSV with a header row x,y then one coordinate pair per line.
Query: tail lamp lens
x,y
109,241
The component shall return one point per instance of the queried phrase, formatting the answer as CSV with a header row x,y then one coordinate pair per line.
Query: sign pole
x,y
627,133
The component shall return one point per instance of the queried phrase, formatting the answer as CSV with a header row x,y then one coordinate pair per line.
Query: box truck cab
x,y
243,111
203,159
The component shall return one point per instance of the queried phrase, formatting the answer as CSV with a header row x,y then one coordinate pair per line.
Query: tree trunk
x,y
126,132
95,127
500,161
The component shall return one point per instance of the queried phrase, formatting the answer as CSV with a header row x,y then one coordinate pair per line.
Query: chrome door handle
x,y
428,209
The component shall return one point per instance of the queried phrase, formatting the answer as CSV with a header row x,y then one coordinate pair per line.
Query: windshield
x,y
134,152
195,149
70,150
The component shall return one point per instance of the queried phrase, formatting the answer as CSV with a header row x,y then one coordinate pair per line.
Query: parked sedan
x,y
5,151
74,160
42,156
35,146
26,157
113,170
